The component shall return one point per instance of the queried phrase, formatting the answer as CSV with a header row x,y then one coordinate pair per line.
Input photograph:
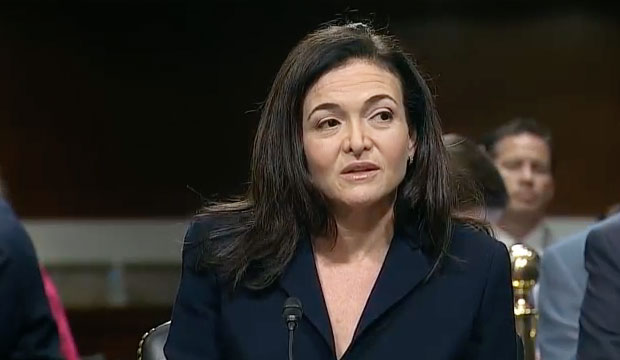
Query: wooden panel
x,y
114,109
560,69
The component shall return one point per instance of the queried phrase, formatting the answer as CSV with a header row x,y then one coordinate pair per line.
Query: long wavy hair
x,y
258,239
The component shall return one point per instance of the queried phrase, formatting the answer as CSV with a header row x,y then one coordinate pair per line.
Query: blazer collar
x,y
301,280
404,268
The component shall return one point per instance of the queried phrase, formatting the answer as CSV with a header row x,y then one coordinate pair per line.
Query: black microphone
x,y
291,312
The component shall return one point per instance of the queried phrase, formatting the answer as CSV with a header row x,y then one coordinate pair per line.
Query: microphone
x,y
291,312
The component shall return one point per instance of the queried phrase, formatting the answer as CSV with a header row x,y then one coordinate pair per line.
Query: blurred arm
x,y
37,334
559,302
599,336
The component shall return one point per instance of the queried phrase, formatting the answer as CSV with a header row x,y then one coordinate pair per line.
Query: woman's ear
x,y
411,147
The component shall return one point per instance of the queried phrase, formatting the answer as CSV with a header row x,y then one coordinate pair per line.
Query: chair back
x,y
151,346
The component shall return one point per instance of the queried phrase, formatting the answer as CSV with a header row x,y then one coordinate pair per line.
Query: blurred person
x,y
599,320
480,189
521,150
27,327
68,349
349,209
562,281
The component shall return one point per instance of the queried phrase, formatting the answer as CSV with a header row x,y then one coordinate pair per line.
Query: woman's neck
x,y
361,232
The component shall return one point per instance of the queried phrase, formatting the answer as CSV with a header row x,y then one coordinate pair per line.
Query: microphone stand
x,y
291,312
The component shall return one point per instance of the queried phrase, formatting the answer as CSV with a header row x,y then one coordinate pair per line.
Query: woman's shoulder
x,y
199,229
207,232
474,242
204,227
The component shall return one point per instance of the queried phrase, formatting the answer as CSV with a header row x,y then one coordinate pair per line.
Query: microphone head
x,y
292,310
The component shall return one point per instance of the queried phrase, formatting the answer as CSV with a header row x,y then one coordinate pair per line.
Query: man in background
x,y
562,281
521,151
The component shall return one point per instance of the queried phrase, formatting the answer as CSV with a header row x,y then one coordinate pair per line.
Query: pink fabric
x,y
67,344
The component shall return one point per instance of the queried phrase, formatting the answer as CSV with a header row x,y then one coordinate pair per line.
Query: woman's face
x,y
355,134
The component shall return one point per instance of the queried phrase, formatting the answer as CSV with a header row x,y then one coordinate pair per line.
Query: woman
x,y
349,210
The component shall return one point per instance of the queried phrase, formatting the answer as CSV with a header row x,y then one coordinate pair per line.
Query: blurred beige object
x,y
525,266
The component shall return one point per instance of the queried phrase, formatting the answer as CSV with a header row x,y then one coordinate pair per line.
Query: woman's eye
x,y
329,123
384,116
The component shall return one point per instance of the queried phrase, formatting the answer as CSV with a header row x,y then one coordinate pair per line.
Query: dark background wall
x,y
114,109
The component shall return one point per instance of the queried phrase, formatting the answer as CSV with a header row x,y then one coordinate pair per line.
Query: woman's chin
x,y
361,201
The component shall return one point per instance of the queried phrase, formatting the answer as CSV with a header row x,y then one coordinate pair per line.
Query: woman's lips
x,y
360,175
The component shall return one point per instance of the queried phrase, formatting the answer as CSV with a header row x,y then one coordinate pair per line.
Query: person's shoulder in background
x,y
29,330
599,321
567,252
562,282
608,229
15,244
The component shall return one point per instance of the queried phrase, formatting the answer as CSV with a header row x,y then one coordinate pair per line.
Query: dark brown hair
x,y
517,126
476,179
281,204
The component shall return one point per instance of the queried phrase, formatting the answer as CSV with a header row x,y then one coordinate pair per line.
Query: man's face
x,y
524,161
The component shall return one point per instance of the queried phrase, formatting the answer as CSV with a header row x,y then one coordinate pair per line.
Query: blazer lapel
x,y
300,279
404,269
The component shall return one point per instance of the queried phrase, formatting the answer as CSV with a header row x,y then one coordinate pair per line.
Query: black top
x,y
463,312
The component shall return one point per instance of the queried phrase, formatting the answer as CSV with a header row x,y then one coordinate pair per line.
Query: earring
x,y
410,159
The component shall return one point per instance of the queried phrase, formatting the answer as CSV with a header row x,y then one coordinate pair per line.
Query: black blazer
x,y
599,322
27,329
464,312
